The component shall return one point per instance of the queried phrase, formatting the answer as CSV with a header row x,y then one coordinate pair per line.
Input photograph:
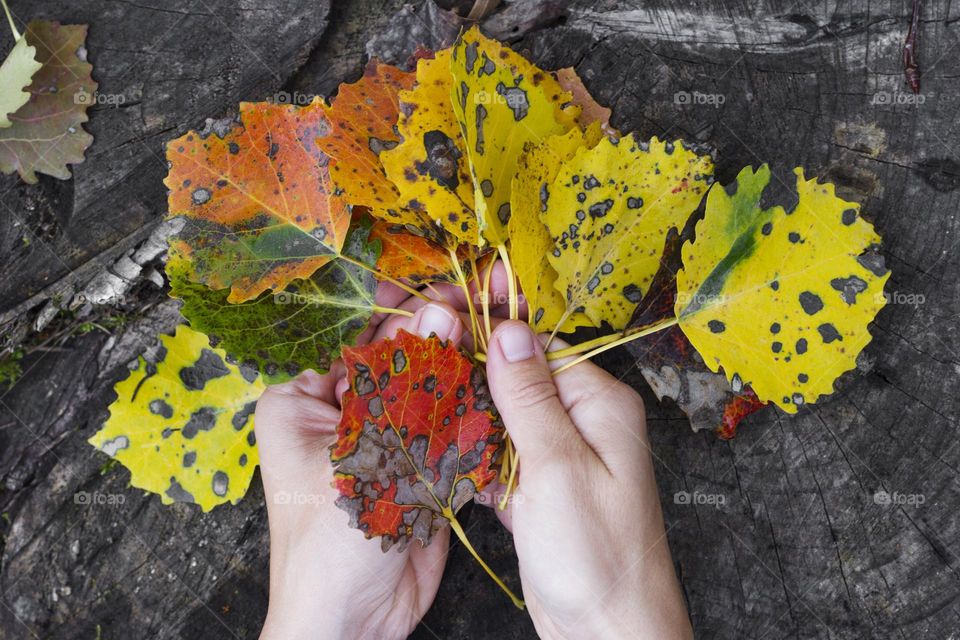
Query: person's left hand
x,y
328,581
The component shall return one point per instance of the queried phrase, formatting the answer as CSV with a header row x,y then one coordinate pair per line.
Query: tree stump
x,y
839,522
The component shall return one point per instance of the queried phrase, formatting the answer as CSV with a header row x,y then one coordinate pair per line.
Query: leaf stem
x,y
512,480
380,275
457,529
13,27
511,281
400,312
479,340
623,339
486,298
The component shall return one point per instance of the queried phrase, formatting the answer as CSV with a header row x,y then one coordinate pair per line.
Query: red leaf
x,y
418,438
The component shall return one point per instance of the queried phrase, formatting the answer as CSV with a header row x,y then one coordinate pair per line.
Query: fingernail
x,y
516,342
434,319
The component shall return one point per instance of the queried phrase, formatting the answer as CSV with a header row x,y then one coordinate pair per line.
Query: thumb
x,y
526,397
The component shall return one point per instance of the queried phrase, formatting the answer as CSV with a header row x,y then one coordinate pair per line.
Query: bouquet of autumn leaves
x,y
293,215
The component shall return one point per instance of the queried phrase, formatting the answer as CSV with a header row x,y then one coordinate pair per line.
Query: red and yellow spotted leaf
x,y
418,437
362,119
259,205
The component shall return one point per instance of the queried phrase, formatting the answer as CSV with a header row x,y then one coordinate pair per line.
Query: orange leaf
x,y
258,199
362,124
590,110
409,257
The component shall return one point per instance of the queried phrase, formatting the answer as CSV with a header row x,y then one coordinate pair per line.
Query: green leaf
x,y
16,73
609,211
182,423
301,327
780,285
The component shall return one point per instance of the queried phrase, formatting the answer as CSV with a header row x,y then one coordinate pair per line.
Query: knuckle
x,y
533,392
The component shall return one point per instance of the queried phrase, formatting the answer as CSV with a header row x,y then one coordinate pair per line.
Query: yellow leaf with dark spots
x,y
780,285
530,240
182,423
502,101
609,212
430,166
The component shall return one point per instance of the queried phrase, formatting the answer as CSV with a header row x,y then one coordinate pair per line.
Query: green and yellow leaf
x,y
16,73
182,423
530,240
284,332
609,211
430,166
502,102
259,205
779,290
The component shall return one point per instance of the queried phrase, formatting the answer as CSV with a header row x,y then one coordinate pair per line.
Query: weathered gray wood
x,y
800,548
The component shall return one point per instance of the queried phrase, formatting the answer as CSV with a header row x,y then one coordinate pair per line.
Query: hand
x,y
326,580
586,519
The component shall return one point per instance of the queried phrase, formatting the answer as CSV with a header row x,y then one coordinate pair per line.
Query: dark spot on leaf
x,y
161,408
203,419
829,333
716,326
207,367
801,346
849,287
220,484
810,302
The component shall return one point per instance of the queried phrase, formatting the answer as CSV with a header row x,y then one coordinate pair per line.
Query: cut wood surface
x,y
840,522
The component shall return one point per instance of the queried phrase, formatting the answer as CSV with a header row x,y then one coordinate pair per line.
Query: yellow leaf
x,y
609,212
429,167
182,423
530,241
502,102
780,294
16,73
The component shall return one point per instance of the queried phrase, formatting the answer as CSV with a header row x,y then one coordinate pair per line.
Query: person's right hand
x,y
585,516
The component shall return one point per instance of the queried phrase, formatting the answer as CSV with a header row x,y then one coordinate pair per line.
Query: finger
x,y
490,496
525,394
608,413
